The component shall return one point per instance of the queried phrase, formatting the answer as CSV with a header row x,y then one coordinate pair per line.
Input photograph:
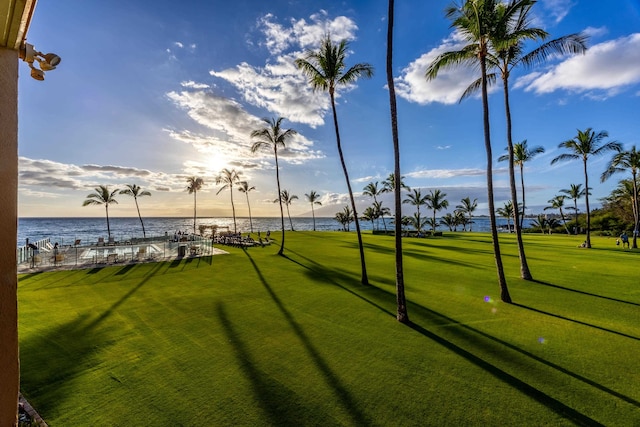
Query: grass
x,y
252,338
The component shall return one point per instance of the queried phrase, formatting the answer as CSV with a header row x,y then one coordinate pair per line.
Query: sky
x,y
152,92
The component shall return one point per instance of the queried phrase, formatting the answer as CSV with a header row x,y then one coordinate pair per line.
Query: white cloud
x,y
447,88
178,44
279,86
229,127
607,66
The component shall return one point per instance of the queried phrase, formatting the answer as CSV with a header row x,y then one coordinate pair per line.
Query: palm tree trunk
x,y
275,149
635,210
249,206
522,187
402,315
365,279
144,234
575,207
502,281
313,213
233,209
106,208
194,211
525,273
564,221
586,198
289,215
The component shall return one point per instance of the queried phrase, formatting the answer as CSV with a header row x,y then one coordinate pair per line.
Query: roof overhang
x,y
15,17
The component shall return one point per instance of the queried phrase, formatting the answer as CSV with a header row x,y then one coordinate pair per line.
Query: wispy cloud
x,y
558,9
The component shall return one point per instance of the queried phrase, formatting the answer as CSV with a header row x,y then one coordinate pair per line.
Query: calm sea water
x,y
67,230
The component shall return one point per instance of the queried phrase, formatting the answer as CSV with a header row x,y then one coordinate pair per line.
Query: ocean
x,y
66,231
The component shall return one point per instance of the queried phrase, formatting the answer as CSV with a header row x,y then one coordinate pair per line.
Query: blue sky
x,y
153,92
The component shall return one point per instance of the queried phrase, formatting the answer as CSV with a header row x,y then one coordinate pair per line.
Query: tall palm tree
x,y
135,191
287,199
102,196
475,21
585,144
574,192
243,187
402,315
622,162
508,43
325,70
227,178
313,198
467,207
436,201
273,136
521,155
194,184
558,203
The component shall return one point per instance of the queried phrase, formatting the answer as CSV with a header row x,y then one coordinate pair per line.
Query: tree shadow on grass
x,y
584,293
576,321
342,393
379,298
279,403
50,361
54,358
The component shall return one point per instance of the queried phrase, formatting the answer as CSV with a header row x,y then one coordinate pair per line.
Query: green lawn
x,y
252,338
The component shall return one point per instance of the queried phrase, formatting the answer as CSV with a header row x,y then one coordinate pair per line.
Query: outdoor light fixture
x,y
47,62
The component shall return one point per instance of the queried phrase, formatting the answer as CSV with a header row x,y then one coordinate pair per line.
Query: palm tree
x,y
508,43
450,221
369,214
244,187
540,222
415,198
273,136
587,143
436,201
372,190
345,217
622,162
102,196
461,219
475,22
325,69
389,184
401,315
227,178
418,222
507,211
287,199
312,197
467,207
134,191
575,191
522,154
194,184
558,203
381,211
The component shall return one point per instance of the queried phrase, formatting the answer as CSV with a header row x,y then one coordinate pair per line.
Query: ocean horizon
x,y
66,231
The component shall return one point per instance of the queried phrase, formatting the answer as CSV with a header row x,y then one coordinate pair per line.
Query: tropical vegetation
x,y
135,191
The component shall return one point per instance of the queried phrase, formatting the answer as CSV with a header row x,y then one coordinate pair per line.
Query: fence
x,y
41,254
